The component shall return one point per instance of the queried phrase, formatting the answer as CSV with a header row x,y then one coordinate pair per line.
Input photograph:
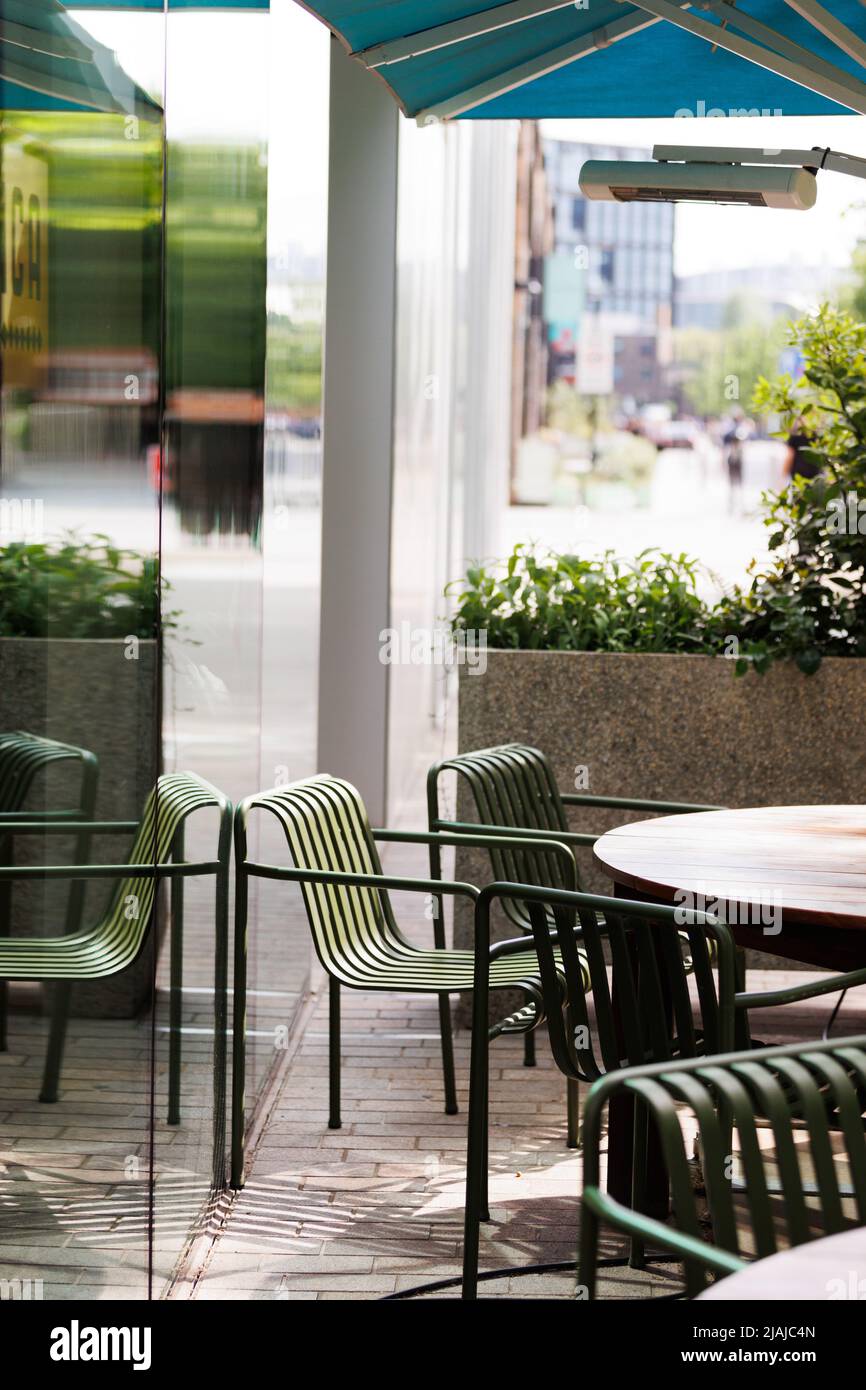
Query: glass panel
x,y
211,469
143,288
240,525
291,539
81,148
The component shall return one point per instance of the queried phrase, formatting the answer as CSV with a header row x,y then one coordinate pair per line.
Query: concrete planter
x,y
90,694
668,727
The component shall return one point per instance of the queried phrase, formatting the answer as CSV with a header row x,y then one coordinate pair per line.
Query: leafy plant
x,y
79,588
569,603
810,601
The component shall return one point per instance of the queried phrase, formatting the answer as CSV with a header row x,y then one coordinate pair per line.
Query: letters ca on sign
x,y
24,263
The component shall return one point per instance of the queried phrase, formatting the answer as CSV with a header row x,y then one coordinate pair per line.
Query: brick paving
x,y
74,1176
377,1206
366,1211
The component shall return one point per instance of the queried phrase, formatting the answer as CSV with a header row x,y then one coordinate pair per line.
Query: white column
x,y
357,429
489,327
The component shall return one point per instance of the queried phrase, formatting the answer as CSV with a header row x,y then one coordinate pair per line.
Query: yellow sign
x,y
24,266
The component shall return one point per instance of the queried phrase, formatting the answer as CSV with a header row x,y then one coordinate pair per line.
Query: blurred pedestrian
x,y
734,439
797,464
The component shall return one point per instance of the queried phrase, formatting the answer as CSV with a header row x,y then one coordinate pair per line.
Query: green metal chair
x,y
821,1086
118,938
23,757
514,792
356,936
643,1014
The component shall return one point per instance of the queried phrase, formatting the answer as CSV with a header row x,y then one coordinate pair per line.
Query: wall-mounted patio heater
x,y
717,174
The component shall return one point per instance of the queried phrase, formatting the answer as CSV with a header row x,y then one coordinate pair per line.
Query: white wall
x,y
455,271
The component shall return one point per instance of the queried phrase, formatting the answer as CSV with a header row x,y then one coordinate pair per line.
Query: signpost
x,y
595,358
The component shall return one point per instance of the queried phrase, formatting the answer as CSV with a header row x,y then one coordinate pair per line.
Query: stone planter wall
x,y
89,694
668,727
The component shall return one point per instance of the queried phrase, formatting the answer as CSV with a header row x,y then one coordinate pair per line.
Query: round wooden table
x,y
833,1268
788,880
793,877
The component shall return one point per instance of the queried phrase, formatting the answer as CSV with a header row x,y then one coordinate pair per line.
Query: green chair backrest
x,y
655,1017
510,786
821,1084
23,755
122,930
326,827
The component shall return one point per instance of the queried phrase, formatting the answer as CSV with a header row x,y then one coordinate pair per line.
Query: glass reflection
x,y
81,157
159,562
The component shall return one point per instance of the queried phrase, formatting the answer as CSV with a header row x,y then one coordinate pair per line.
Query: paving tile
x,y
325,1215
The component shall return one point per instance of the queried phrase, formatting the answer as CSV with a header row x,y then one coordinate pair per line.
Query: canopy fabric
x,y
50,63
483,59
172,5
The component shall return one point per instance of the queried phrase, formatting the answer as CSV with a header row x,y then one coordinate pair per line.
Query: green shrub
x,y
78,588
567,603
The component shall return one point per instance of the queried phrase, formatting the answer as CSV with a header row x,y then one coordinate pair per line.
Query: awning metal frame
x,y
831,27
518,76
847,91
740,33
441,35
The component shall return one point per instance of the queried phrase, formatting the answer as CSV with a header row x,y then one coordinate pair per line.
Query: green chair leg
x,y
637,1248
239,1012
587,1260
447,1054
529,1050
572,1095
5,915
56,1042
175,989
334,1120
220,1012
476,1149
485,1165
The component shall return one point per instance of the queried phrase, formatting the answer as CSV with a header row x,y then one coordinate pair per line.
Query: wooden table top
x,y
806,862
832,1268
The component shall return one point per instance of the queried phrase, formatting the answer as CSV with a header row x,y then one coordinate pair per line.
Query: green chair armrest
x,y
519,833
515,944
766,999
335,878
631,803
634,1223
88,871
598,902
58,826
546,842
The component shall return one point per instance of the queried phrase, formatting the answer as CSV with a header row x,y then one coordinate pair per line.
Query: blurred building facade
x,y
625,254
705,300
533,244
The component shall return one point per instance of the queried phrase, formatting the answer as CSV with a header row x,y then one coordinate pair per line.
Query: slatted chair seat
x,y
643,1013
117,939
515,795
414,970
354,929
822,1083
114,943
23,757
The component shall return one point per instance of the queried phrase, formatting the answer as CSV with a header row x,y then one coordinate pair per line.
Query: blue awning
x,y
447,59
50,63
149,5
